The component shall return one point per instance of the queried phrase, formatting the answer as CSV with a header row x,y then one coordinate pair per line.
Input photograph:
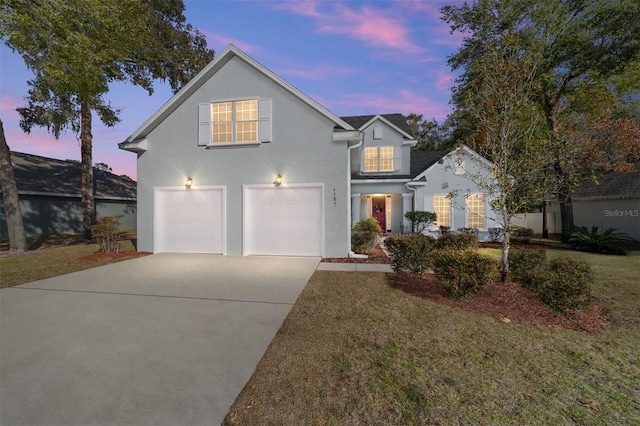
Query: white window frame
x,y
437,223
468,211
393,159
262,122
236,121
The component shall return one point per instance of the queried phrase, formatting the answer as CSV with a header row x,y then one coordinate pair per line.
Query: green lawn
x,y
56,255
353,350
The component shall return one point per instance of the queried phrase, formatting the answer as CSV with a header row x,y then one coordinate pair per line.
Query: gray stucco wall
x,y
391,137
302,151
442,180
60,215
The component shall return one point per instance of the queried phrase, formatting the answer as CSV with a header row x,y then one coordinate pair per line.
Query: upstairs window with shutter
x,y
246,121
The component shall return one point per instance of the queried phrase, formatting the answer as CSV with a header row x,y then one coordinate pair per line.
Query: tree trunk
x,y
566,217
86,167
13,214
545,225
506,245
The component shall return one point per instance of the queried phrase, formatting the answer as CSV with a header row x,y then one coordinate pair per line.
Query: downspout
x,y
413,202
349,148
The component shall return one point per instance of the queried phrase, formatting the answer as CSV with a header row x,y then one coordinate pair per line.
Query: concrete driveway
x,y
168,339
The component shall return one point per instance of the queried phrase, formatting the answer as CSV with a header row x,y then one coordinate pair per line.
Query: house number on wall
x,y
334,196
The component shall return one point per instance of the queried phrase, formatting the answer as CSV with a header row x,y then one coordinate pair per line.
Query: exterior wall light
x,y
189,182
278,180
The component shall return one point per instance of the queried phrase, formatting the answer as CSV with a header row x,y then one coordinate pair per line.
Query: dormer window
x,y
379,159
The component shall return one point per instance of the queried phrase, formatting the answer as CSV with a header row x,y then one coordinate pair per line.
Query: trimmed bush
x,y
107,234
566,286
410,252
365,235
457,241
496,234
523,235
463,271
607,242
472,231
526,266
420,220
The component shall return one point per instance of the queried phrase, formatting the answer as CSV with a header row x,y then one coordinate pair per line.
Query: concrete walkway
x,y
166,339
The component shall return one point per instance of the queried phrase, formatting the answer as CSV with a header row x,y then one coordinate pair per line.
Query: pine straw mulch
x,y
506,302
376,256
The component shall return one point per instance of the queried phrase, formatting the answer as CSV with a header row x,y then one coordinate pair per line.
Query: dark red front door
x,y
379,211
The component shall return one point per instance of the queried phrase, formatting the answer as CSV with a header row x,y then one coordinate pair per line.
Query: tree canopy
x,y
76,48
585,52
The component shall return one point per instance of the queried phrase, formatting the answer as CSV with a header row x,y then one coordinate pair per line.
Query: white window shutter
x,y
205,131
491,219
265,120
397,158
428,203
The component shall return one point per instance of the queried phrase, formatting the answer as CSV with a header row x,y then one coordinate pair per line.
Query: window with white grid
x,y
475,211
442,209
235,121
378,159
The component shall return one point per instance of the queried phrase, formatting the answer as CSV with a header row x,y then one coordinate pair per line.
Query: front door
x,y
379,210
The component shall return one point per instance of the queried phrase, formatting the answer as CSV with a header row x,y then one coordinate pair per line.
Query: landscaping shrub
x,y
463,271
420,220
410,252
364,236
607,242
443,230
496,234
472,231
566,285
523,235
107,234
450,241
527,266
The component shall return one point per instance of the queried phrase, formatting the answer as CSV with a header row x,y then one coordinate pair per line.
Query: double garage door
x,y
285,221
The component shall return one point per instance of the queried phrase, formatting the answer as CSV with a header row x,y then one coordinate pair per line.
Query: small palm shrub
x,y
364,236
526,266
463,271
607,242
107,234
566,285
410,252
450,241
523,235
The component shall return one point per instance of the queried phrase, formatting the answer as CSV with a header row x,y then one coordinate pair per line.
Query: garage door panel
x,y
189,220
283,221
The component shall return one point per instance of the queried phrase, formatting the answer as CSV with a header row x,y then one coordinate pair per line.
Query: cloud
x,y
403,101
8,106
370,25
216,39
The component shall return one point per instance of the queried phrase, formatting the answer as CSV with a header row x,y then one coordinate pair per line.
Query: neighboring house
x,y
49,193
614,202
240,162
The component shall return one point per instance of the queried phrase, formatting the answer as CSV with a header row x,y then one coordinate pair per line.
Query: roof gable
x,y
457,151
38,175
396,121
207,72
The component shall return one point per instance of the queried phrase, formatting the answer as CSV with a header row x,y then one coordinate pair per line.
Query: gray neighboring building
x,y
240,162
49,193
614,202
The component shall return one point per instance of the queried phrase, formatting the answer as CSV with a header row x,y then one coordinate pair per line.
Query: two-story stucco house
x,y
240,162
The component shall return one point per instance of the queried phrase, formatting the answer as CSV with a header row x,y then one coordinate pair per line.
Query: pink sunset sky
x,y
353,57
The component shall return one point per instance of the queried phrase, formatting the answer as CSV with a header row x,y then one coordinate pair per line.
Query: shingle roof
x,y
613,186
396,119
42,175
420,161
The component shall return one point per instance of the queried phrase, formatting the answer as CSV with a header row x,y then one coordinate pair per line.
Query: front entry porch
x,y
387,209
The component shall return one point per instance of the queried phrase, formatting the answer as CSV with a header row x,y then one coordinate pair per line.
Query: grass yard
x,y
354,350
55,255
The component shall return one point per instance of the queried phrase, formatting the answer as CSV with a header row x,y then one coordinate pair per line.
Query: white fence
x,y
534,221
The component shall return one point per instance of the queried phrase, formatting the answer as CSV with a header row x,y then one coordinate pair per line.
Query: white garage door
x,y
189,220
285,221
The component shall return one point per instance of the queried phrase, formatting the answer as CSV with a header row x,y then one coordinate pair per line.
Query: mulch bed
x,y
506,302
376,256
115,256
